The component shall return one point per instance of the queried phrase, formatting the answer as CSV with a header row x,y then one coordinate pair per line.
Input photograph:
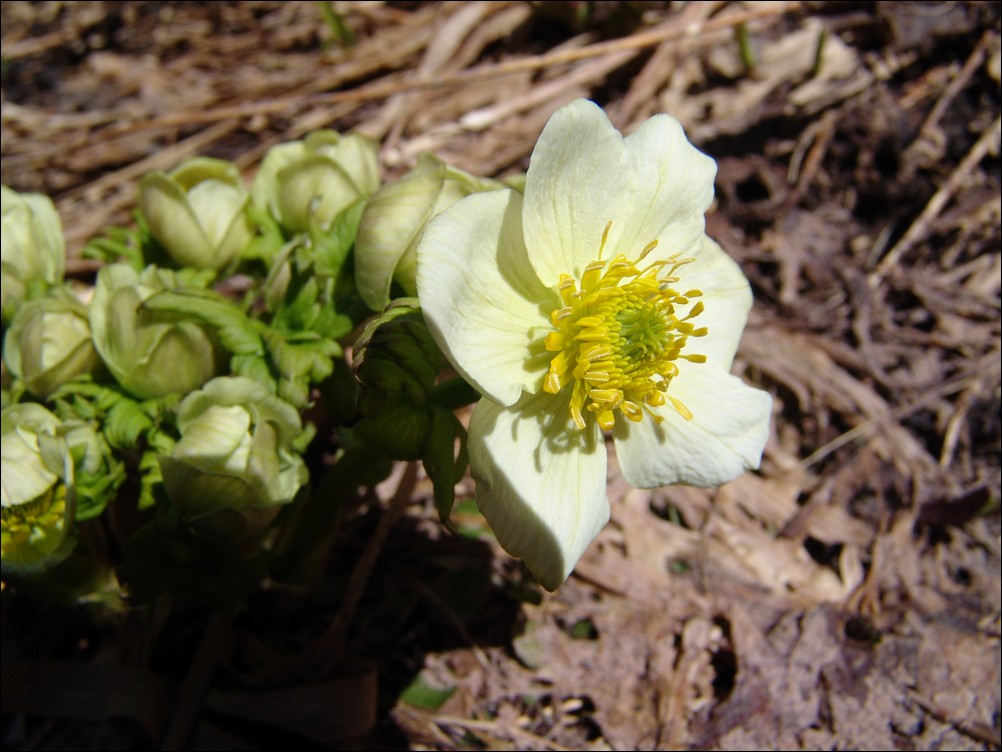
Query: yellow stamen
x,y
618,336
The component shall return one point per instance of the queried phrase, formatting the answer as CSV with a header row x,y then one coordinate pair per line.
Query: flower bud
x,y
236,449
151,353
196,212
396,353
38,490
32,249
396,362
394,218
49,343
315,179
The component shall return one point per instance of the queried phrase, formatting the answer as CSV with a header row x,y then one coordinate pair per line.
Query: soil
x,y
846,596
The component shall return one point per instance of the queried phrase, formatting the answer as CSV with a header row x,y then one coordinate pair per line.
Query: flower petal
x,y
212,442
674,189
580,178
480,297
393,217
725,437
216,205
726,298
540,482
314,188
165,206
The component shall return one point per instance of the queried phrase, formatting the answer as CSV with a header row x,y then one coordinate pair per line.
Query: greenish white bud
x,y
38,492
150,353
49,342
196,212
315,179
393,221
236,449
32,248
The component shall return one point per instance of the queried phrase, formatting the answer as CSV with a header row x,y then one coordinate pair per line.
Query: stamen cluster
x,y
617,338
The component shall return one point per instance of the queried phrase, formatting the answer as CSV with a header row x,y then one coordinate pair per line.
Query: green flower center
x,y
618,335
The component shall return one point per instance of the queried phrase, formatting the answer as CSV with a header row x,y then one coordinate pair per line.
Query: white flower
x,y
316,178
32,248
38,498
235,449
596,303
196,212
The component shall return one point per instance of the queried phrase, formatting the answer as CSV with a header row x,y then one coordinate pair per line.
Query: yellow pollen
x,y
617,336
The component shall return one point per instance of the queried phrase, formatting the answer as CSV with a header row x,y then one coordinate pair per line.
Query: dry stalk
x,y
922,226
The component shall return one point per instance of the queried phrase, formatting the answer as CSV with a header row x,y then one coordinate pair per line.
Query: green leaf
x,y
123,419
424,695
95,490
124,423
253,367
583,629
341,33
300,360
301,306
303,440
445,467
237,333
189,278
269,238
331,248
151,479
118,244
85,390
398,430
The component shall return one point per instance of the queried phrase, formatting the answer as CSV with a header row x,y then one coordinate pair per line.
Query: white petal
x,y
393,217
726,298
579,179
674,189
213,439
481,299
725,437
173,222
540,482
216,206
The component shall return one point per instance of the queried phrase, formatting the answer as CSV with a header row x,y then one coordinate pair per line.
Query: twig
x,y
954,87
650,38
196,684
160,159
821,132
974,729
921,227
449,613
492,727
329,649
873,424
953,426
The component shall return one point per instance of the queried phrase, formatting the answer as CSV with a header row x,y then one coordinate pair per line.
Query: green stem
x,y
305,545
745,48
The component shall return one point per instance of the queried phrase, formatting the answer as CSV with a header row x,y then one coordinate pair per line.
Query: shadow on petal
x,y
540,482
